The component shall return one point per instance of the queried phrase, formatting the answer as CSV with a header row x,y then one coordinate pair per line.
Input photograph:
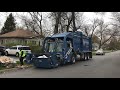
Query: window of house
x,y
1,41
25,42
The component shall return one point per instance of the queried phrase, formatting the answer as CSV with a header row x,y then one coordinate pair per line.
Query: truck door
x,y
68,48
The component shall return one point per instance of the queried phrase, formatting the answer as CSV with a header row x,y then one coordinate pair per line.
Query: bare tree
x,y
35,21
69,21
95,24
37,18
56,18
86,29
105,32
80,20
61,21
66,20
116,18
73,19
89,29
29,24
100,13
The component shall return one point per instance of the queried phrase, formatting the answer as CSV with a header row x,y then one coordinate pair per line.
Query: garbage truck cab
x,y
64,48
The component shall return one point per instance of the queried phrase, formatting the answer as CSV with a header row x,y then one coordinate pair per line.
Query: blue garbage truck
x,y
67,47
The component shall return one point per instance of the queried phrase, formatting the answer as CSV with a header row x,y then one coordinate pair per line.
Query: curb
x,y
13,69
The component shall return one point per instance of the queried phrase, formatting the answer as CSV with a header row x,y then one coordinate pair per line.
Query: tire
x,y
82,56
73,59
56,65
0,53
78,57
61,63
6,53
87,55
17,54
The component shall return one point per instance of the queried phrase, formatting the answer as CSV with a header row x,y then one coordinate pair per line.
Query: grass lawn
x,y
1,68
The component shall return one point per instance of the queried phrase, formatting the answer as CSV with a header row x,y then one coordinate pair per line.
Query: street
x,y
107,66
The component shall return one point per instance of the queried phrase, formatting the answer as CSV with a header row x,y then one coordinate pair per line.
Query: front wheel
x,y
73,60
56,65
6,53
87,55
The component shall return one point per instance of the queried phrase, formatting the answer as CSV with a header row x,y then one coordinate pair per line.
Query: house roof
x,y
19,34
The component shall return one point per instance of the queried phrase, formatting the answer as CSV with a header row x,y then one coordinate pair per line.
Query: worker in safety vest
x,y
22,55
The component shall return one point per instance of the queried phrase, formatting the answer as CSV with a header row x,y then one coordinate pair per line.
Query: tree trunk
x,y
41,29
100,45
57,22
68,26
73,18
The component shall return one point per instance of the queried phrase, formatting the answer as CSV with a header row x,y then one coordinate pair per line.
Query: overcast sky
x,y
88,15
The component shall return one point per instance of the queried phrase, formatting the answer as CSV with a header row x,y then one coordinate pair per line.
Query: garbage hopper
x,y
44,62
29,58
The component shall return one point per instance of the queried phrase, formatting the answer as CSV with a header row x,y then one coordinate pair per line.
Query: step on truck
x,y
67,47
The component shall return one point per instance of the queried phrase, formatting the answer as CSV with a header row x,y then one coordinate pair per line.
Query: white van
x,y
14,50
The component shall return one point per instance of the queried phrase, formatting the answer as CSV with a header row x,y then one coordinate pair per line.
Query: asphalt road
x,y
107,66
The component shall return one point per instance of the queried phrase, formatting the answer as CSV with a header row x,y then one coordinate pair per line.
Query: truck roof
x,y
69,34
61,34
77,33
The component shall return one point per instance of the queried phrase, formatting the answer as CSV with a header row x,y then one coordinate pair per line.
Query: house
x,y
21,37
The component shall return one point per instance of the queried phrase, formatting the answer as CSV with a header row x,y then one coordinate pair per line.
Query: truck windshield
x,y
59,47
51,46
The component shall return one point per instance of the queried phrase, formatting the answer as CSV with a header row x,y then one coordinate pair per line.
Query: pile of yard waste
x,y
7,62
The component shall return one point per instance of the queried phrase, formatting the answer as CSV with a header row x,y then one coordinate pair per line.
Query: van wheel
x,y
6,53
0,53
73,60
17,54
